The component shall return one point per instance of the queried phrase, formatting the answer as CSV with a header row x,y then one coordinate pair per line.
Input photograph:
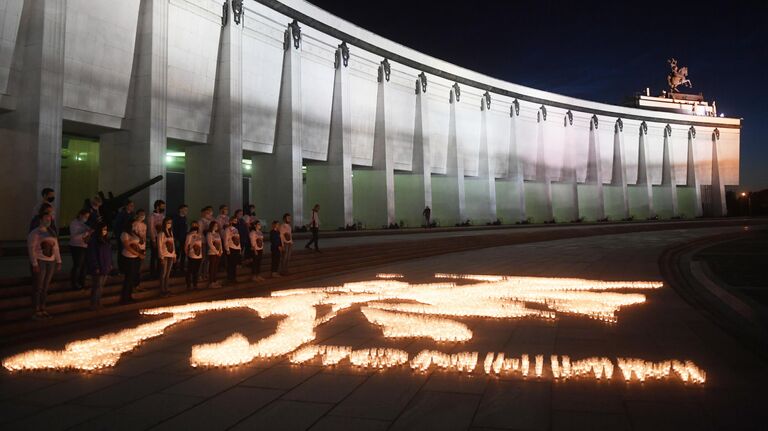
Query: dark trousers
x,y
256,263
154,260
315,234
181,257
132,270
275,260
213,267
77,275
193,271
233,259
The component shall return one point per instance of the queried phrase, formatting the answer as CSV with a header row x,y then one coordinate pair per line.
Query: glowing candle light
x,y
539,365
525,365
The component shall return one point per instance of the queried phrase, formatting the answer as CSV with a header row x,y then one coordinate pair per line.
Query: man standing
x,y
94,217
427,217
286,238
180,228
155,224
314,227
48,196
123,217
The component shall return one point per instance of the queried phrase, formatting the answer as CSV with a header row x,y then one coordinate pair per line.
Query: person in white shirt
x,y
286,236
155,224
206,216
166,250
256,238
133,252
215,250
234,249
314,227
194,249
45,257
79,235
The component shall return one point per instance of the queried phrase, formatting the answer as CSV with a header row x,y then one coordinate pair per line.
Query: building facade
x,y
284,105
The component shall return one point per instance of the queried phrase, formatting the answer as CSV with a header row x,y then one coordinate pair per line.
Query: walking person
x,y
45,257
427,213
180,235
256,238
314,227
134,250
79,236
166,253
286,237
234,249
215,250
206,216
99,262
275,247
193,246
155,224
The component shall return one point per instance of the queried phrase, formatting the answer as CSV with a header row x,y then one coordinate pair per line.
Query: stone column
x,y
692,180
278,177
642,168
214,171
511,201
413,190
568,173
594,168
668,182
131,157
485,171
619,174
32,133
448,190
330,184
375,196
542,168
719,207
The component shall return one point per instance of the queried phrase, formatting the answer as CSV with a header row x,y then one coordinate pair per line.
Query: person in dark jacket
x,y
99,262
122,219
243,228
180,229
275,247
94,217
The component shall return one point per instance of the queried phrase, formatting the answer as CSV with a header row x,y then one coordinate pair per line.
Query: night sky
x,y
601,51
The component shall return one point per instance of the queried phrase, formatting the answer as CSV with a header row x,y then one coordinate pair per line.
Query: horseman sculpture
x,y
677,77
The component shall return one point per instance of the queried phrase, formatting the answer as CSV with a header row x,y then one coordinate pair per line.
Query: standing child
x,y
213,239
257,247
166,253
99,262
234,249
275,247
134,249
194,249
44,255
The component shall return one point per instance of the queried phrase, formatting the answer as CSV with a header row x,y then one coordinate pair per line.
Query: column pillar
x,y
718,189
449,189
542,168
330,184
214,171
619,174
568,174
413,190
32,133
692,180
485,171
668,182
133,156
642,168
594,169
511,188
278,177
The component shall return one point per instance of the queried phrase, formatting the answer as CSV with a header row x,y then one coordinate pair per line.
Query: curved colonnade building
x,y
284,105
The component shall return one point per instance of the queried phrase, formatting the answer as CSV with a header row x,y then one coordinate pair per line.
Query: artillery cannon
x,y
111,204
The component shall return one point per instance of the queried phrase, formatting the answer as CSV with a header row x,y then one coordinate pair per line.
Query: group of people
x,y
196,249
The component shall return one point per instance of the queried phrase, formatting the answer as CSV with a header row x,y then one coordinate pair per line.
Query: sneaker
x,y
276,274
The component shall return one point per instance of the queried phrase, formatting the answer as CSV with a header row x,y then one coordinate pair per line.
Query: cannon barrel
x,y
110,205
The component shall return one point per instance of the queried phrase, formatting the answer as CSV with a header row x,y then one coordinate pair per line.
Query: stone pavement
x,y
155,387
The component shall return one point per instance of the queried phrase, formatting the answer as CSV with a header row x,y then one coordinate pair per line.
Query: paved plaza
x,y
155,387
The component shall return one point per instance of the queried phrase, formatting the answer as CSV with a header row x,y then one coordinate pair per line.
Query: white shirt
x,y
141,230
315,220
232,238
155,220
164,244
223,221
131,242
214,244
194,245
257,240
204,223
285,233
77,233
42,245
